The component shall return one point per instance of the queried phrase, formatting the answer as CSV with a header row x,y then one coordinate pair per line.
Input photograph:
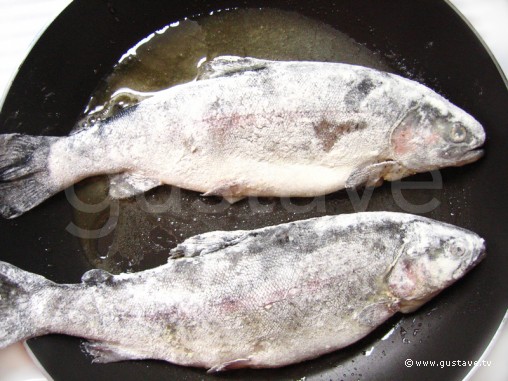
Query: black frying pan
x,y
86,40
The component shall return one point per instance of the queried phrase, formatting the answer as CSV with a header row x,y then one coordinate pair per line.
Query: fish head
x,y
435,134
433,256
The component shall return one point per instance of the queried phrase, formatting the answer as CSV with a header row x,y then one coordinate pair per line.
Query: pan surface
x,y
424,39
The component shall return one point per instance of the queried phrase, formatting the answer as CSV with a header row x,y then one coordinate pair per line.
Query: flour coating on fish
x,y
250,127
262,298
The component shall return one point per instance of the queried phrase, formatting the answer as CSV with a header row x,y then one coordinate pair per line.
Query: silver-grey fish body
x,y
250,127
261,298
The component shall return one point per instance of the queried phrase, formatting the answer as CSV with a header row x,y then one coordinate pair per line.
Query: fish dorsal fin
x,y
96,276
207,243
227,66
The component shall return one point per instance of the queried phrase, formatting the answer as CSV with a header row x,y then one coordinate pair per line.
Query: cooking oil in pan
x,y
138,233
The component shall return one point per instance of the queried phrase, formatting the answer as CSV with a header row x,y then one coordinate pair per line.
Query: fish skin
x,y
262,298
250,127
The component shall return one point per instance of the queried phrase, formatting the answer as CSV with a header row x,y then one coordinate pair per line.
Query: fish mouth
x,y
482,252
470,156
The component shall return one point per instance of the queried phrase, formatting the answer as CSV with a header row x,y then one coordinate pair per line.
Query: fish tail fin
x,y
24,174
16,291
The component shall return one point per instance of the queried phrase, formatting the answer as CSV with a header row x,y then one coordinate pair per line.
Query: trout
x,y
260,299
251,127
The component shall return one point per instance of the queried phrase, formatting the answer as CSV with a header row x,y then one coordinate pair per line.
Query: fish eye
x,y
458,133
457,249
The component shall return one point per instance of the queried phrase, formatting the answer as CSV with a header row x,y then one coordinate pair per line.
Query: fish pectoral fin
x,y
373,175
231,192
125,185
104,353
234,364
227,66
207,243
376,313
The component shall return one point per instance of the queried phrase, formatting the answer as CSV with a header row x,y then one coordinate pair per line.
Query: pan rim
x,y
503,322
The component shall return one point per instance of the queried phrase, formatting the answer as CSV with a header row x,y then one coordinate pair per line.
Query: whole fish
x,y
250,127
262,298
